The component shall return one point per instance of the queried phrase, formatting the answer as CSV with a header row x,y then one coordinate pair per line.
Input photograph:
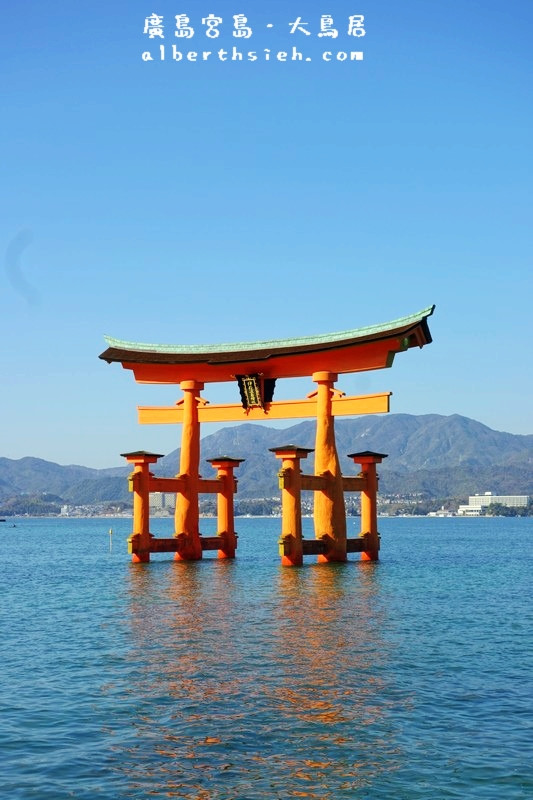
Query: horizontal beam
x,y
354,357
355,545
353,484
210,485
170,485
158,545
212,542
164,545
283,409
179,484
320,483
313,547
315,483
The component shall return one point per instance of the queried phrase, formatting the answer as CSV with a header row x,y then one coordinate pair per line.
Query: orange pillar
x,y
329,509
225,511
369,502
187,518
139,543
290,544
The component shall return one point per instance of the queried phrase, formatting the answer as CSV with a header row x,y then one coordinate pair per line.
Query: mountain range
x,y
430,455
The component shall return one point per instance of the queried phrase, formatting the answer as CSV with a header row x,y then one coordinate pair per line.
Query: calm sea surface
x,y
411,678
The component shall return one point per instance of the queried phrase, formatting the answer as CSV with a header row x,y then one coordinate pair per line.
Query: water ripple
x,y
236,681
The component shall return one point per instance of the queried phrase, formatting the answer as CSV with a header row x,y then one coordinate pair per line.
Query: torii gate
x,y
254,367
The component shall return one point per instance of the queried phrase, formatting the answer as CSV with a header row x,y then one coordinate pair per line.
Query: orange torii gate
x,y
255,366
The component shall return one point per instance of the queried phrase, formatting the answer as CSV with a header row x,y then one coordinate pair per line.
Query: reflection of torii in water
x,y
255,366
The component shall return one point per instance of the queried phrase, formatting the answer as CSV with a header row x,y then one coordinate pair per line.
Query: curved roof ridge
x,y
270,343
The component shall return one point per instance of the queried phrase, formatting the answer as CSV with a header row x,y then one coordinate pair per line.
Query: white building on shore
x,y
478,502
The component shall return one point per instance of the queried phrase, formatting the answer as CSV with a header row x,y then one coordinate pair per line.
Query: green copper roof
x,y
225,347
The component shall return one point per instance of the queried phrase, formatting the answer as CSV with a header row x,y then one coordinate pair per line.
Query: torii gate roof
x,y
357,350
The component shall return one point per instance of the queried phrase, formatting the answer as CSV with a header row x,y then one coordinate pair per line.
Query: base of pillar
x,y
187,555
139,547
287,561
189,547
290,550
227,544
140,558
330,559
370,551
333,550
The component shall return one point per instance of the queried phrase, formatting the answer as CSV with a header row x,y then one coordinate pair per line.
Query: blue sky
x,y
226,200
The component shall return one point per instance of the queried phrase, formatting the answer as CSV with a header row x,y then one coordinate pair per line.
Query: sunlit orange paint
x,y
225,511
375,355
140,541
369,514
286,409
290,544
259,364
329,510
187,517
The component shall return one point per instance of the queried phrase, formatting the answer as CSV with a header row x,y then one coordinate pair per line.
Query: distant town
x,y
486,504
437,466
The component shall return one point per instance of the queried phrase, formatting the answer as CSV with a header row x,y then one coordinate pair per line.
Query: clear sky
x,y
211,200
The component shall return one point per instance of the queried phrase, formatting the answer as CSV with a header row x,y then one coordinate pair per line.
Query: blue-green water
x,y
411,678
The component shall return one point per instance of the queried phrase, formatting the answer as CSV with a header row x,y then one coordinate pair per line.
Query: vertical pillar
x,y
290,544
329,509
369,503
139,543
225,511
187,517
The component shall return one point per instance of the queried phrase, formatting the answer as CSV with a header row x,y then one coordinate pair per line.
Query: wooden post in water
x,y
330,512
139,543
369,511
290,544
225,511
187,517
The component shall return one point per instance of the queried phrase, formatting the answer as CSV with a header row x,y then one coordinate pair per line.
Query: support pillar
x,y
187,517
369,510
225,509
329,508
139,543
290,544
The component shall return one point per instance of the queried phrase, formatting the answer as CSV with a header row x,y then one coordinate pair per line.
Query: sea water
x,y
217,680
